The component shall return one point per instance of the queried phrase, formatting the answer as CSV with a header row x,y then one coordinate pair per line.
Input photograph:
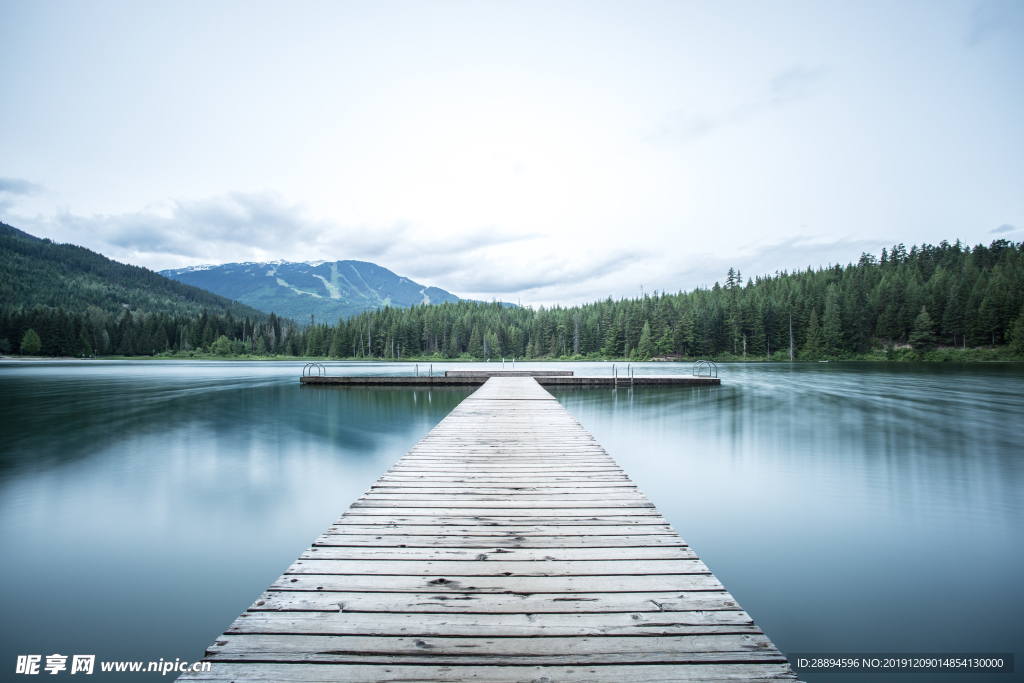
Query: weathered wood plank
x,y
458,624
357,673
521,531
496,523
547,651
523,511
507,485
486,603
551,507
523,554
541,498
402,539
499,584
486,566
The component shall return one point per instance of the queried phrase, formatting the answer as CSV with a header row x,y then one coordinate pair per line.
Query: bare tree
x,y
576,335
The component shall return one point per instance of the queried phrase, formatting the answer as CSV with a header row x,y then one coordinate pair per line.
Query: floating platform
x,y
508,373
563,378
507,545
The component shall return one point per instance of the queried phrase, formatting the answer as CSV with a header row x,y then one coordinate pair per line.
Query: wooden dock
x,y
507,545
559,378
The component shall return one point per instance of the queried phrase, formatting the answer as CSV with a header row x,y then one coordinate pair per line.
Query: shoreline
x,y
950,358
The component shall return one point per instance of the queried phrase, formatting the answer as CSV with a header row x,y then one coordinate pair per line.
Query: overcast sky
x,y
543,152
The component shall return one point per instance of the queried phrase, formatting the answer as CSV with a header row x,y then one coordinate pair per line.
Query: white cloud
x,y
534,268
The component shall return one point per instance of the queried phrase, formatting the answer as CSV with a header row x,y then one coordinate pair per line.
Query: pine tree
x,y
922,337
493,344
209,335
645,347
615,339
476,344
832,326
1015,335
576,334
953,318
812,346
684,333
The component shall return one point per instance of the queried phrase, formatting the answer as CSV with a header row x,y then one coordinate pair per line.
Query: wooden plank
x,y
459,624
496,522
498,584
505,546
570,485
517,491
403,539
376,673
521,531
486,566
507,481
482,507
524,554
547,651
490,603
524,512
510,496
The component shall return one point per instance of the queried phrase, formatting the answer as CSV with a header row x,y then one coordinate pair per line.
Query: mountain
x,y
327,289
36,271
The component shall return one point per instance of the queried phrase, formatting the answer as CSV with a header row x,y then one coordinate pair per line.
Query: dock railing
x,y
308,369
627,379
699,366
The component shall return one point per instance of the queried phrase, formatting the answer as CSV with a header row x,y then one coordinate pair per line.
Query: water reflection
x,y
143,506
848,507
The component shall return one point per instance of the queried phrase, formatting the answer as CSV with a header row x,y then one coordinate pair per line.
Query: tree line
x,y
904,303
920,298
44,331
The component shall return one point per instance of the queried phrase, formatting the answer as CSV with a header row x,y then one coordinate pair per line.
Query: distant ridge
x,y
327,289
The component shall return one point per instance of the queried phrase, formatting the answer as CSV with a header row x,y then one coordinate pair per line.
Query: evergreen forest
x,y
945,301
904,304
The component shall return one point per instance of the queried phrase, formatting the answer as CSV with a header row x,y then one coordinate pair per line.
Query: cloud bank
x,y
487,263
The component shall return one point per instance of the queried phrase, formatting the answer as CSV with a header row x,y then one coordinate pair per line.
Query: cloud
x,y
1005,227
690,123
993,17
550,271
264,226
481,264
19,186
757,259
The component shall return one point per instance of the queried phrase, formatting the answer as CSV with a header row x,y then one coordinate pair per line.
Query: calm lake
x,y
848,507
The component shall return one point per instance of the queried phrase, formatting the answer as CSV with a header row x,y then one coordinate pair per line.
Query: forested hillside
x,y
77,301
909,304
924,297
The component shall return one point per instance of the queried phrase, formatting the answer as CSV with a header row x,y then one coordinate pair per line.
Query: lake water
x,y
848,507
